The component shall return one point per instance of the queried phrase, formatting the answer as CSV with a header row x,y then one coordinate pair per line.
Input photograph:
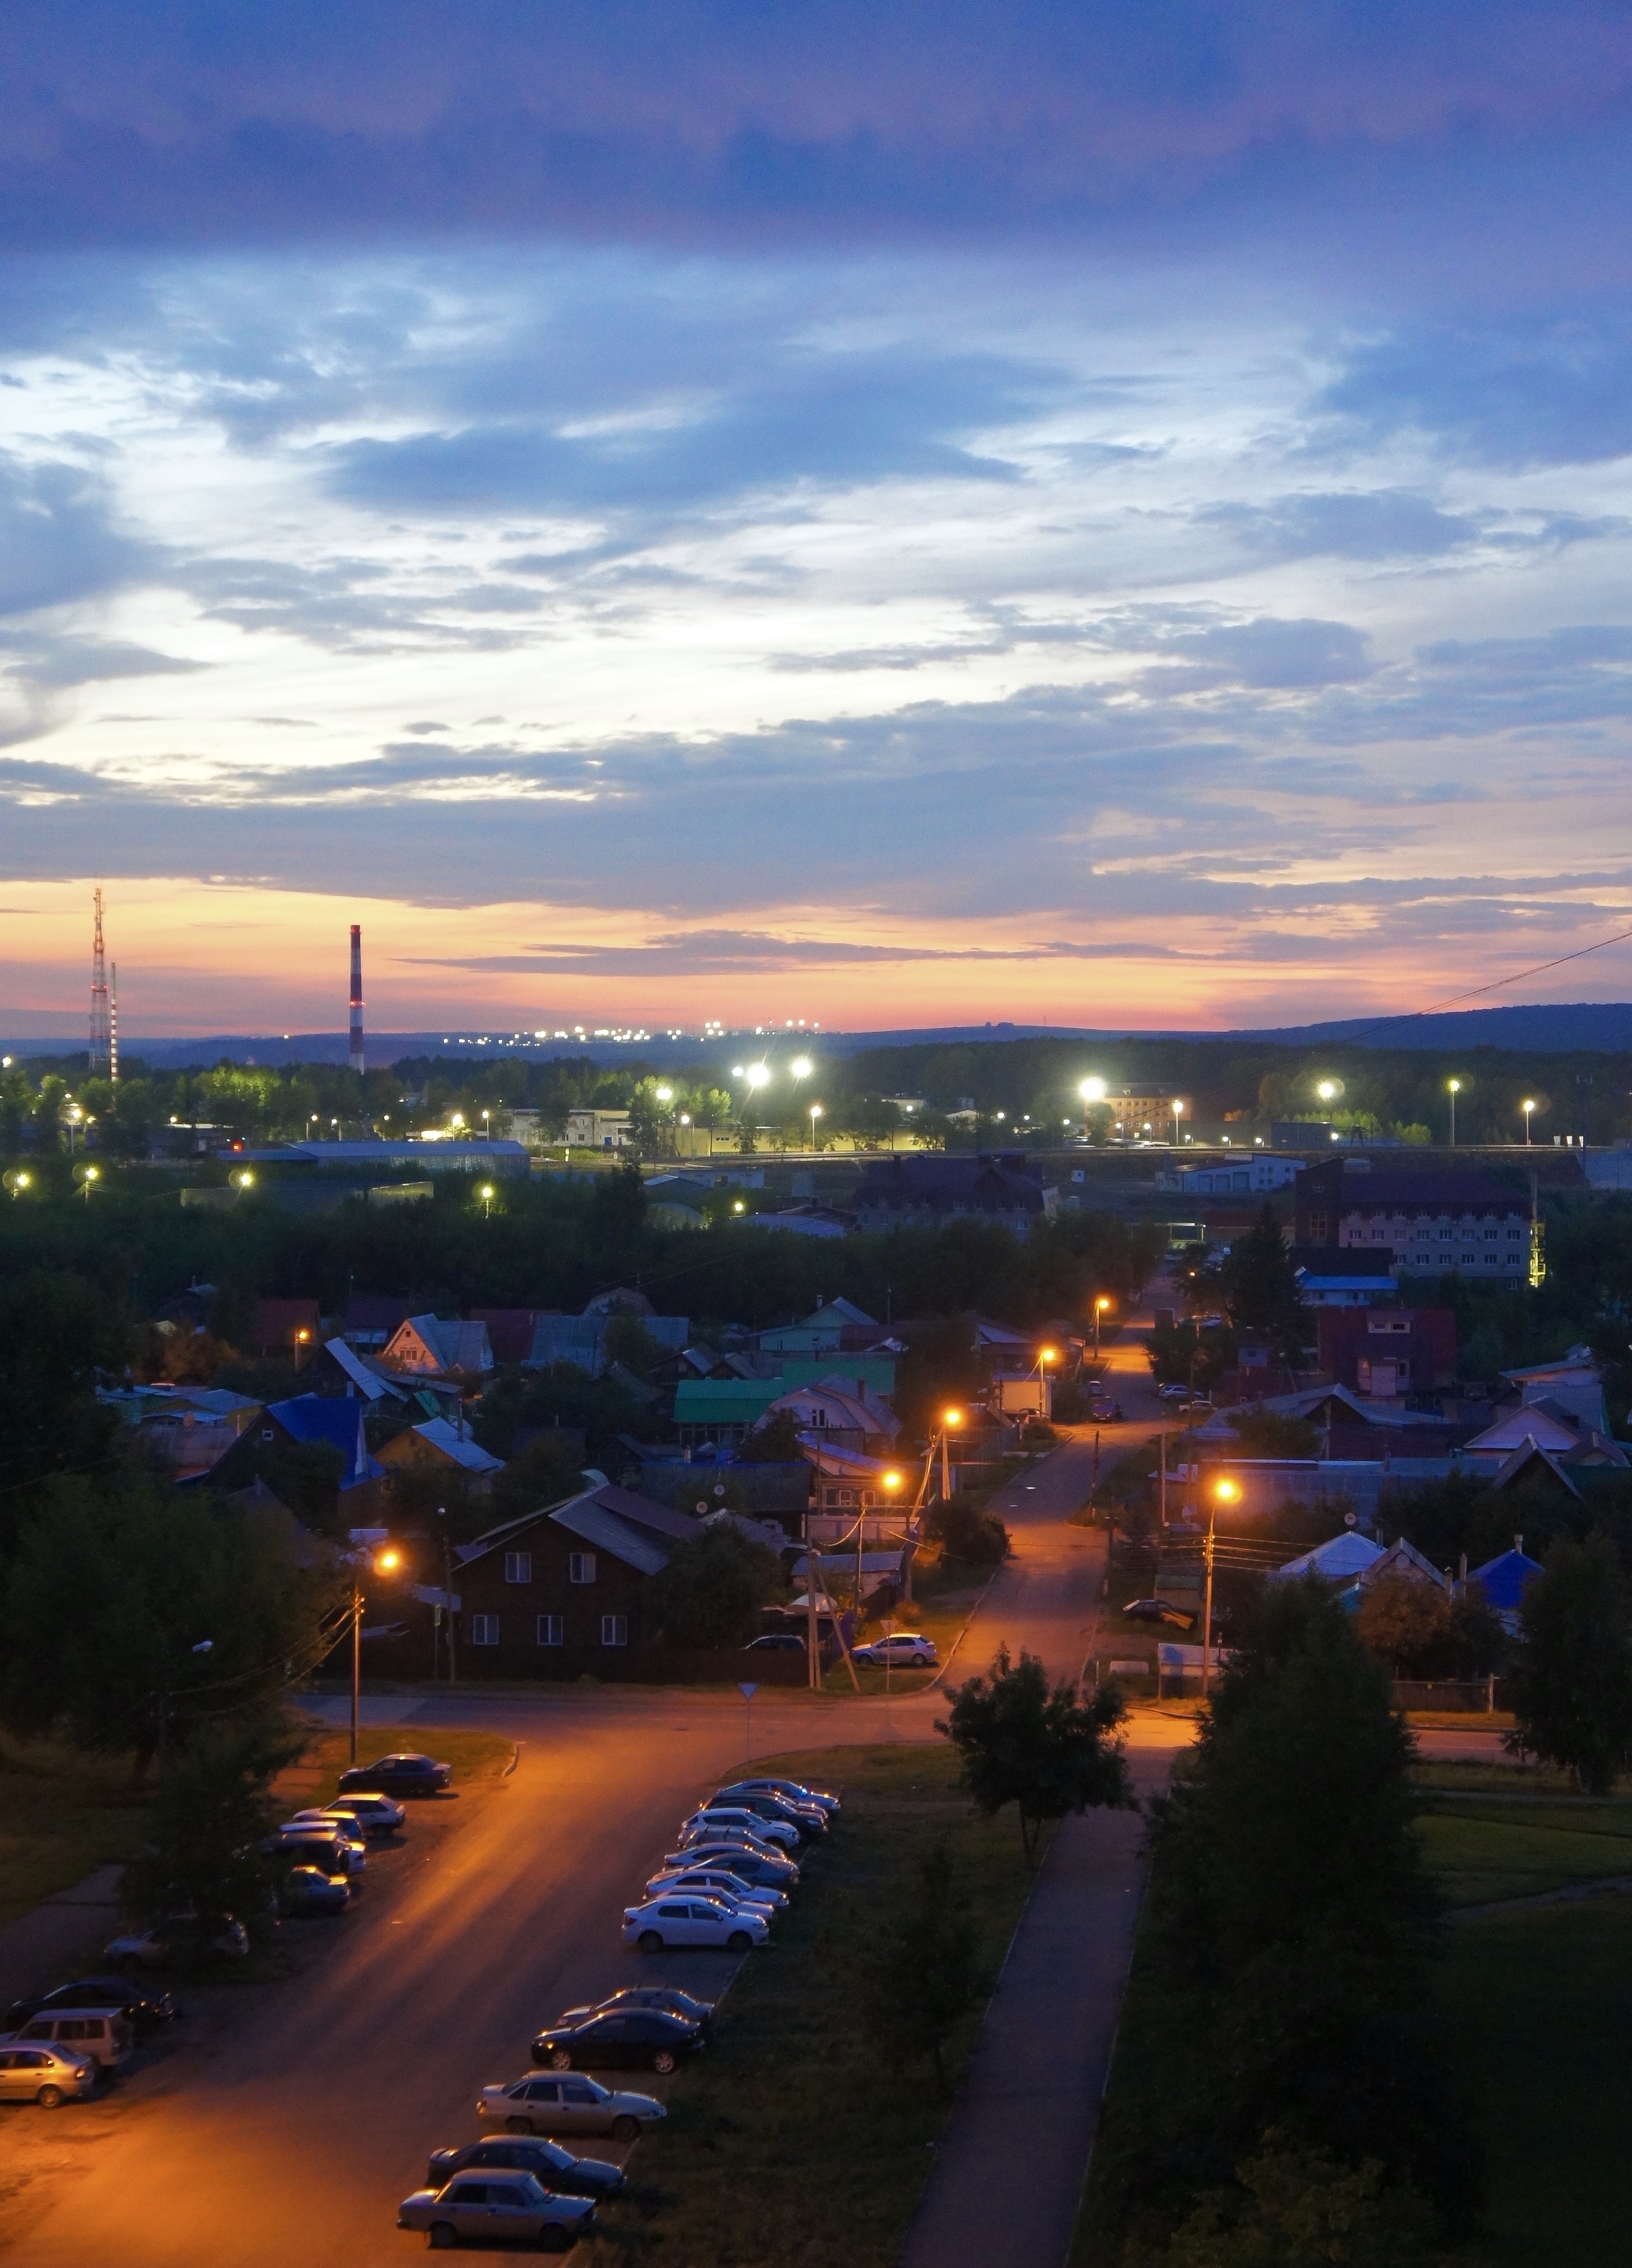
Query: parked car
x,y
1173,1393
331,1828
902,1649
143,2012
511,2208
399,1774
755,1862
809,1818
619,2039
1158,1610
823,1797
717,1882
566,2103
545,2160
103,2035
179,1939
46,2075
1104,1410
692,1920
776,1642
667,1998
355,1815
306,1890
323,1852
783,1833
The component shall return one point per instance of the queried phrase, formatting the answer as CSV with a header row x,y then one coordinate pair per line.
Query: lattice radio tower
x,y
104,1039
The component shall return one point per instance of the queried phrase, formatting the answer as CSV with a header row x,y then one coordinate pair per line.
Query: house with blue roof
x,y
1505,1580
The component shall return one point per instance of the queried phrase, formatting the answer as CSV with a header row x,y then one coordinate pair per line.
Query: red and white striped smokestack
x,y
356,996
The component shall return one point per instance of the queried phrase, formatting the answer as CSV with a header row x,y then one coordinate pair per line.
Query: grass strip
x,y
65,1815
799,2139
1540,2005
1479,1856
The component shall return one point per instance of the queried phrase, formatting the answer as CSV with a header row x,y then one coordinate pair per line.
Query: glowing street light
x,y
951,1420
757,1076
1092,1090
487,1193
1454,1085
16,1180
1528,1108
664,1093
245,1180
815,1113
801,1066
1225,1491
1327,1090
1100,1306
85,1175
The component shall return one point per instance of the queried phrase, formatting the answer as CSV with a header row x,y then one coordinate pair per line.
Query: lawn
x,y
798,2140
65,1815
1540,2003
474,1757
946,1595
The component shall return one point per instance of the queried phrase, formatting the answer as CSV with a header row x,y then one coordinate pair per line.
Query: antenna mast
x,y
112,1025
101,1029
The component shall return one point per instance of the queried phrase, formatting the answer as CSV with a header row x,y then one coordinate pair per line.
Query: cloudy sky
x,y
881,514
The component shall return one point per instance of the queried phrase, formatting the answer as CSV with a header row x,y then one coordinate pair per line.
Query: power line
x,y
1542,967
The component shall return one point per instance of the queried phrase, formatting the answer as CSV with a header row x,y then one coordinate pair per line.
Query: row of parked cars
x,y
732,1872
58,2046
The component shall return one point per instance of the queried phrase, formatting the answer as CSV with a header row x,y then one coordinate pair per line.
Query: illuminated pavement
x,y
289,2130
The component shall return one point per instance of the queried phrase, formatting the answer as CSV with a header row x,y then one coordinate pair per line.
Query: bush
x,y
1572,1686
1047,1753
965,1532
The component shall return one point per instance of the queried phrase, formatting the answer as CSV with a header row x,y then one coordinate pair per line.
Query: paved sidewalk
x,y
1010,2169
39,1947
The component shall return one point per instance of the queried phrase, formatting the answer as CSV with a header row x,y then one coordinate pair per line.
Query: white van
x,y
102,2034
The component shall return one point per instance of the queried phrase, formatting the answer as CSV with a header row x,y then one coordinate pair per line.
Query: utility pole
x,y
356,1657
1225,1491
813,1653
448,1591
1161,1446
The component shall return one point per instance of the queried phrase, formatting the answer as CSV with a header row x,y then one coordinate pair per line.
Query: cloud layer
x,y
1139,512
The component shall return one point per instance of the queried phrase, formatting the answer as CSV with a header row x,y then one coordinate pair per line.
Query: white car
x,y
902,1650
717,1883
718,1819
375,1814
692,1920
153,1947
489,2204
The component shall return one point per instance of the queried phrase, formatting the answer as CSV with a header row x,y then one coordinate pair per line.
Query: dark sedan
x,y
632,2039
668,1999
547,2162
143,2012
1158,1610
402,1773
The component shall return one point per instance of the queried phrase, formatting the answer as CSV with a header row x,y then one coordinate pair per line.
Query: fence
x,y
1470,1694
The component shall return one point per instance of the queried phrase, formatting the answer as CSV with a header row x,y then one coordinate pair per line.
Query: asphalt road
x,y
290,2129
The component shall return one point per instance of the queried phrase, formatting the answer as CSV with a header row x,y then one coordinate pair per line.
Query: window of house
x,y
614,1630
1491,1234
484,1629
1446,1235
517,1566
580,1566
1514,1234
552,1630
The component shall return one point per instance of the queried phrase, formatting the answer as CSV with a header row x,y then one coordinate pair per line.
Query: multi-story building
x,y
1433,1224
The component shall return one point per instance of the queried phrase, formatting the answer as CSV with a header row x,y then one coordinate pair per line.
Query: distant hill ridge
x,y
1587,1026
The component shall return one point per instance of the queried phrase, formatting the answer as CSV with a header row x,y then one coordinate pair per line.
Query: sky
x,y
893,516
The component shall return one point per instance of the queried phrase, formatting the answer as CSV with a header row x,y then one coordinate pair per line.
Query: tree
x,y
548,1471
1571,1686
212,1811
775,1440
711,1592
1289,1932
923,1970
1406,1623
132,1613
1260,1285
1294,2208
1047,1753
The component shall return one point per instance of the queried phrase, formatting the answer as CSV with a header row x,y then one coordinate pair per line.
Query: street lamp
x,y
1100,1306
85,1175
816,1112
246,1180
951,1420
1528,1108
486,1193
1455,1086
302,1338
16,1180
801,1066
381,1562
1327,1090
685,1120
1225,1493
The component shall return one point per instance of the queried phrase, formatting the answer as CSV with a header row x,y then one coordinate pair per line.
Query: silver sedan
x,y
497,2208
566,2102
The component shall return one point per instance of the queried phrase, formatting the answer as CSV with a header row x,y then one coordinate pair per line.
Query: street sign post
x,y
747,1692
